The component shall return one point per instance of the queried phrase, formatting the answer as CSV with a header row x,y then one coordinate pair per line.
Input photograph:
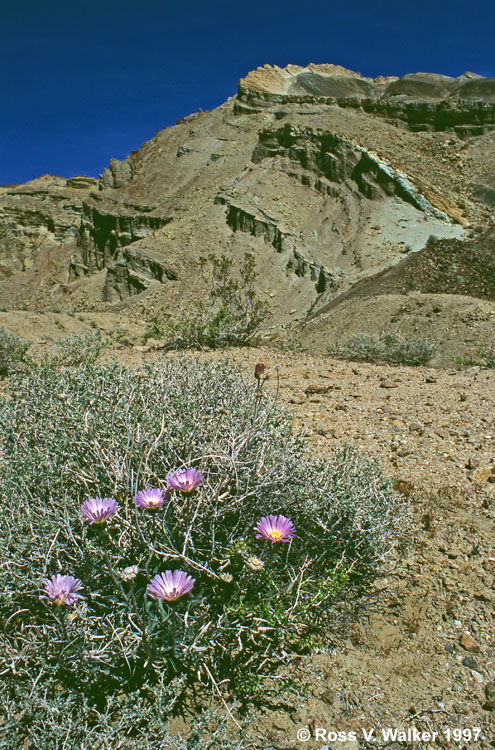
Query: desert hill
x,y
331,180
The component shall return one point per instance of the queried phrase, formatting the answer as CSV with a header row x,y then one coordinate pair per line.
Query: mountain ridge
x,y
324,191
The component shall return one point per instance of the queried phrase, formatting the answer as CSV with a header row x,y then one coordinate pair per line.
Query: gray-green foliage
x,y
71,434
230,317
390,348
12,349
485,357
51,720
77,349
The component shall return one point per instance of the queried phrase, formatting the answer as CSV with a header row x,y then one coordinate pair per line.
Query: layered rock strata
x,y
418,101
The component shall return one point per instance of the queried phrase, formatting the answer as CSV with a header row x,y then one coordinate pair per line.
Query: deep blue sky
x,y
86,81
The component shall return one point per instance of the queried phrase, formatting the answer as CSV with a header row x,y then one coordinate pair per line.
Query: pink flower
x,y
99,509
275,529
184,480
170,585
61,590
151,498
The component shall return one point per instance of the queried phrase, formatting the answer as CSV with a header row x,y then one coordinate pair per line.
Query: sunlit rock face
x,y
419,101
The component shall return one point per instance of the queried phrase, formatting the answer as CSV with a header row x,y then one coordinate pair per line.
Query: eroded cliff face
x,y
302,169
417,101
106,233
44,212
53,212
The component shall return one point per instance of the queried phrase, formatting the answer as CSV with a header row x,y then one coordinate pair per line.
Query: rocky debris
x,y
447,266
240,219
490,696
484,189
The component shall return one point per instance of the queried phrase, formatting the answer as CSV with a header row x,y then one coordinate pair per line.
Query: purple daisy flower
x,y
151,498
275,529
99,509
61,589
184,480
170,585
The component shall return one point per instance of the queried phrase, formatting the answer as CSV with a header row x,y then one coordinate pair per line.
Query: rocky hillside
x,y
331,180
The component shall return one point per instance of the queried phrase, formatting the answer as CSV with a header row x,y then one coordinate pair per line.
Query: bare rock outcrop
x,y
106,231
418,101
46,211
339,159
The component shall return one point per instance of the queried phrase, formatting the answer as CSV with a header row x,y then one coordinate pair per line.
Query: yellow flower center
x,y
275,534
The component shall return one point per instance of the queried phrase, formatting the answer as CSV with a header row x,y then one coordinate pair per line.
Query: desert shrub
x,y
390,348
485,357
230,318
51,720
68,435
12,349
76,349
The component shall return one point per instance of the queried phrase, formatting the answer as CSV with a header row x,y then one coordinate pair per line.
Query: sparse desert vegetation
x,y
390,348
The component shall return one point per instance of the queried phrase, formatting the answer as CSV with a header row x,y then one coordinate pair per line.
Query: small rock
x,y
387,384
430,380
328,696
468,661
468,643
482,475
490,696
450,648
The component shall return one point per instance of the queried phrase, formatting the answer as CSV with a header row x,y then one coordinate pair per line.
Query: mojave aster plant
x,y
112,432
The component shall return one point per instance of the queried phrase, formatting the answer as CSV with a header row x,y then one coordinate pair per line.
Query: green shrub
x,y
76,349
389,348
485,357
12,349
231,317
71,434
